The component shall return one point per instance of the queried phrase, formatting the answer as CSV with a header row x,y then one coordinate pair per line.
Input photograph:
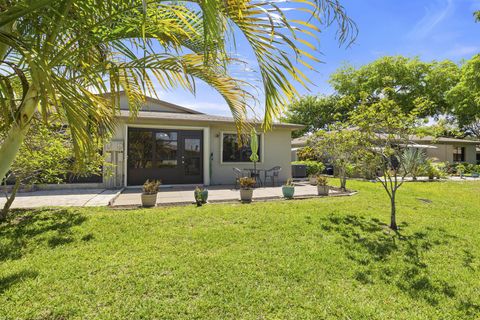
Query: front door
x,y
172,156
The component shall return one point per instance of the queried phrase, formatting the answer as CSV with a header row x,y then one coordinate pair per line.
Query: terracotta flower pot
x,y
246,195
323,190
149,200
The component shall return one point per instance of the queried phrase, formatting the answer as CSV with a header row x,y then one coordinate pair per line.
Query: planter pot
x,y
323,190
246,195
201,196
312,180
149,200
288,191
204,196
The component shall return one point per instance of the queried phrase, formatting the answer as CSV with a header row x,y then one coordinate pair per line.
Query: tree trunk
x,y
343,183
393,213
17,132
8,204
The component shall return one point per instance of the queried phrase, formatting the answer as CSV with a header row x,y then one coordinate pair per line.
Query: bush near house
x,y
463,167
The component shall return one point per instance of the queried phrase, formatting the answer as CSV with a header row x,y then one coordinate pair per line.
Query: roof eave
x,y
291,126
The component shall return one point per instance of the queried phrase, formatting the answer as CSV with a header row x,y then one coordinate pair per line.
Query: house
x,y
179,145
441,149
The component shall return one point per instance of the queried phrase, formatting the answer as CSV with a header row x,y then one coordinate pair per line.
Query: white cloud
x,y
433,16
462,51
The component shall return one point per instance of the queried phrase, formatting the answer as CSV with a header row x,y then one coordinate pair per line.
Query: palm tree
x,y
60,57
415,161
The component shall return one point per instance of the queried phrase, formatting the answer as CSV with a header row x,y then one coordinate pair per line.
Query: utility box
x,y
299,171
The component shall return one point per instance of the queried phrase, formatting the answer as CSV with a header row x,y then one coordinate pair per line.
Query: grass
x,y
322,258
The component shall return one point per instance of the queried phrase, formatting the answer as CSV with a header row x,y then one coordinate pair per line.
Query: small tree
x,y
341,146
46,157
386,132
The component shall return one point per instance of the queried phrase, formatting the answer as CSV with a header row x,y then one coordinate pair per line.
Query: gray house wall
x,y
444,152
275,150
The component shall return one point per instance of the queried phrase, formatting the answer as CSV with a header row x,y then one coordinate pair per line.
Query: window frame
x,y
462,154
261,146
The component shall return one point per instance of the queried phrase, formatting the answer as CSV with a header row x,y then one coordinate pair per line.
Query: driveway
x,y
63,198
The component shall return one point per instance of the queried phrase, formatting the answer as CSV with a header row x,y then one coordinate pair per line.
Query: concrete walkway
x,y
63,198
184,195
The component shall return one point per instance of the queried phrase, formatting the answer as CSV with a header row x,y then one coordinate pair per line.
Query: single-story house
x,y
442,149
179,145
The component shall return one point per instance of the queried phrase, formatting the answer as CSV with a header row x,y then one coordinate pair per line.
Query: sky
x,y
428,29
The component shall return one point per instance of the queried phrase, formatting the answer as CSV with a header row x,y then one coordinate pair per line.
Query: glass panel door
x,y
166,149
140,151
172,156
193,157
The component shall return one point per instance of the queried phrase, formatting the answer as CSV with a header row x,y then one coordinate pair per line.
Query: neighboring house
x,y
439,149
182,146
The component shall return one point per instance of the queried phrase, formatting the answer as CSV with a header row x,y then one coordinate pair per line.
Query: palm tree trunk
x,y
17,132
3,46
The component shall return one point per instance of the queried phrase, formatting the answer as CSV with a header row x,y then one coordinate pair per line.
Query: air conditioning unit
x,y
299,171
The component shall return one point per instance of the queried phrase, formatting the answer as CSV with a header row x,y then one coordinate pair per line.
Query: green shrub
x,y
313,167
435,169
464,168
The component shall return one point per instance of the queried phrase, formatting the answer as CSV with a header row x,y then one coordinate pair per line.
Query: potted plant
x,y
322,186
201,195
312,179
246,189
288,189
149,194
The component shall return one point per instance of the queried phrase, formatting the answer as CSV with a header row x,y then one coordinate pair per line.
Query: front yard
x,y
319,258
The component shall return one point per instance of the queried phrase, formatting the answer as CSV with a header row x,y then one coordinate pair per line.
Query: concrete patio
x,y
63,198
216,194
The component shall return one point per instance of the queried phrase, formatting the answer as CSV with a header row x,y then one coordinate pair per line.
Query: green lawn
x,y
312,259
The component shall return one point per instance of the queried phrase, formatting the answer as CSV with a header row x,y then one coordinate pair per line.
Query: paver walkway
x,y
63,198
184,195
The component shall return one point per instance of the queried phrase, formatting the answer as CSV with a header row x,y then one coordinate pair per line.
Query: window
x,y
231,151
458,154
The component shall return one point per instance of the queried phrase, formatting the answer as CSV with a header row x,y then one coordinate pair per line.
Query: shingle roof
x,y
198,118
301,141
165,103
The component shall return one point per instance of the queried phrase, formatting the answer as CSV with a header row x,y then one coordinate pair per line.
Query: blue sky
x,y
429,29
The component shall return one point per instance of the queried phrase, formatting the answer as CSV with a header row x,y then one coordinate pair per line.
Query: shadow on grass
x,y
29,229
394,258
8,281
